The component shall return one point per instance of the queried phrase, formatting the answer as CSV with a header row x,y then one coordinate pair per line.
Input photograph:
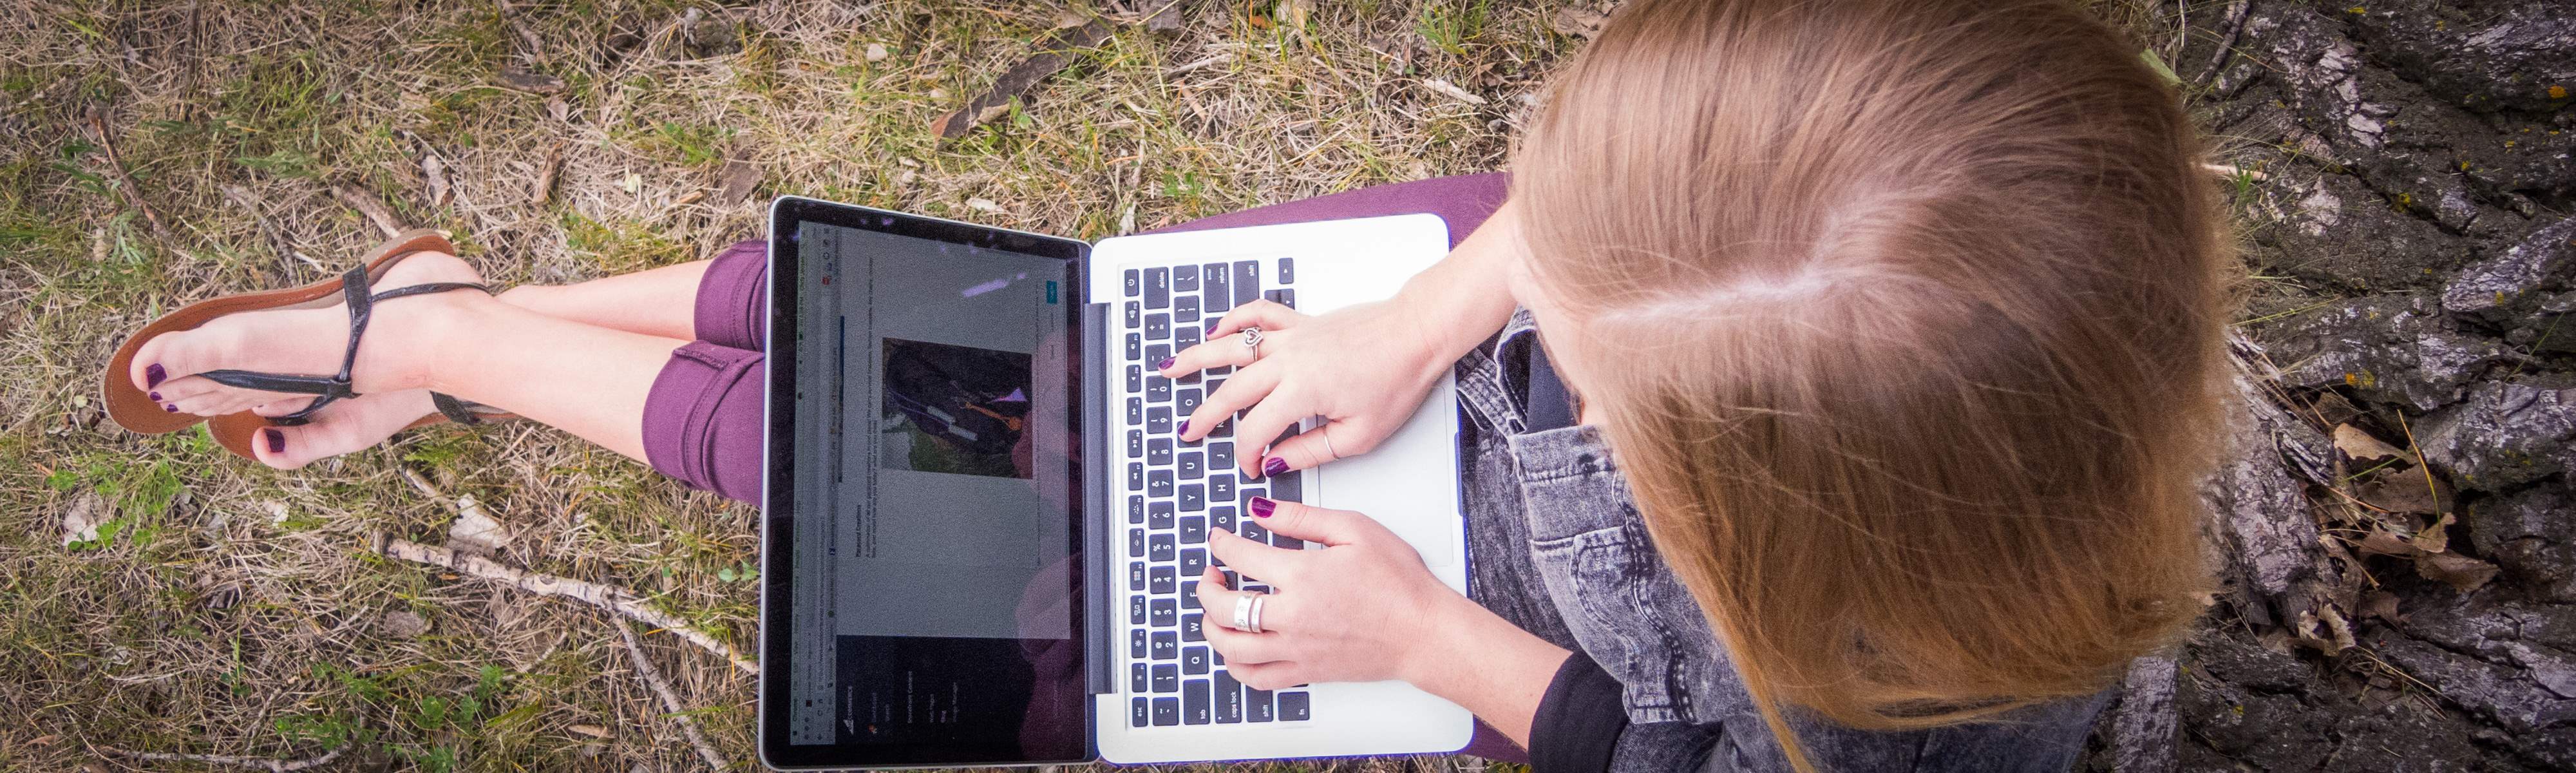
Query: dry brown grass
x,y
238,610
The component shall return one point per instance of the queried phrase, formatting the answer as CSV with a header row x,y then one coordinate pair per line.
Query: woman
x,y
1833,371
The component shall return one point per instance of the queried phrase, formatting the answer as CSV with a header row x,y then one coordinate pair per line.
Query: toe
x,y
277,408
173,356
285,448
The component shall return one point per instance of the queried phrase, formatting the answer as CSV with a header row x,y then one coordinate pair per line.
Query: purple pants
x,y
702,421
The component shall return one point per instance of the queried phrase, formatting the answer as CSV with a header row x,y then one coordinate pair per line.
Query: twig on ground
x,y
2236,13
1451,90
259,763
1051,56
610,598
1212,60
644,672
369,206
545,189
268,230
124,181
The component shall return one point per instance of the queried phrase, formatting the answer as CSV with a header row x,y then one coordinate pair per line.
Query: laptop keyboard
x,y
1176,492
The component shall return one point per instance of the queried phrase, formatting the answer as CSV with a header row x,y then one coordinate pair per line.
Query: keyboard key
x,y
1288,486
1155,354
1185,279
1135,379
1167,712
1256,705
1167,613
1135,543
1159,548
1161,580
1193,562
1194,660
1194,702
1159,483
1135,610
1166,645
1159,421
1243,498
1190,630
1167,678
1229,699
1158,389
1185,337
1221,486
1159,516
1136,508
1135,315
1185,402
1292,707
1158,327
1136,576
1136,681
1189,600
1220,456
1135,443
1134,286
1193,527
1252,531
1221,518
1136,347
1246,279
1158,452
1213,286
1193,497
1136,644
1135,410
1158,288
1286,298
1185,310
1142,714
1193,465
1287,270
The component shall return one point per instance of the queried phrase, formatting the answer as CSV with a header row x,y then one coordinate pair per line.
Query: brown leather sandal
x,y
134,409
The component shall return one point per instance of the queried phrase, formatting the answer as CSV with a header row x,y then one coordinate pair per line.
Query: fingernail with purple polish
x,y
1273,466
1166,364
1212,327
1184,429
1262,507
276,440
153,375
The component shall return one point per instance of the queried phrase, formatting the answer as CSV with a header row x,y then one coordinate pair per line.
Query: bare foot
x,y
308,341
355,424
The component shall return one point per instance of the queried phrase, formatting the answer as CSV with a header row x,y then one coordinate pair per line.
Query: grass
x,y
221,608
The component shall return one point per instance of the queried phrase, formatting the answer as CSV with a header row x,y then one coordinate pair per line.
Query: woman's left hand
x,y
1362,609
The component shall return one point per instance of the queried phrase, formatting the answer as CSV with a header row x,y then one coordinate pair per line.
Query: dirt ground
x,y
158,595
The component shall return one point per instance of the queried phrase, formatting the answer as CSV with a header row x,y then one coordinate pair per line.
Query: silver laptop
x,y
981,535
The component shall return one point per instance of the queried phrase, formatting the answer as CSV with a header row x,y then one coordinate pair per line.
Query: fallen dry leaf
x,y
2361,447
1050,56
593,731
2380,604
532,82
734,184
402,624
474,530
1579,21
983,205
876,52
435,171
80,521
2403,492
2435,538
2461,572
2387,543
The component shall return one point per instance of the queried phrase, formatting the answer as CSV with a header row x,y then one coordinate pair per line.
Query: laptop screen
x,y
932,589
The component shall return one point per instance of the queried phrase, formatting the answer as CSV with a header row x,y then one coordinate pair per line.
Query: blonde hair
x,y
1902,319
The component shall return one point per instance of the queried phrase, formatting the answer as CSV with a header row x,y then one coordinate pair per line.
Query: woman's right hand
x,y
1363,369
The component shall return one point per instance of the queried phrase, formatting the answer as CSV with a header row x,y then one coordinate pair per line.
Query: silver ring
x,y
1255,622
1252,341
1327,431
1242,613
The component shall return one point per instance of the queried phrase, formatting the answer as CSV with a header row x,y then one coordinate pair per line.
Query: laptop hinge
x,y
1096,514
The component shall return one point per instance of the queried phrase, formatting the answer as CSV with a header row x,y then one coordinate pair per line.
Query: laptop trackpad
x,y
1409,483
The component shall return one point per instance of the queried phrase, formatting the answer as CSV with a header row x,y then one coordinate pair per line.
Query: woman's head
x,y
1902,318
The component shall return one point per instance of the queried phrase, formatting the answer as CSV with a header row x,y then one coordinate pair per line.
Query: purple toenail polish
x,y
170,408
153,375
1273,466
156,396
1262,507
1166,364
276,440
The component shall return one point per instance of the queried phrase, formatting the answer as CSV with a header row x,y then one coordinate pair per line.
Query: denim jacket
x,y
1557,547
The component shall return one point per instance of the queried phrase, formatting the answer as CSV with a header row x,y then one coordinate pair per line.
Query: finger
x,y
1251,559
1261,428
1310,449
1311,523
1268,314
1244,649
1250,385
1218,352
1266,675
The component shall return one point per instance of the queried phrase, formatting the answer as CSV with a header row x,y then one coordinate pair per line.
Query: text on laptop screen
x,y
934,551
